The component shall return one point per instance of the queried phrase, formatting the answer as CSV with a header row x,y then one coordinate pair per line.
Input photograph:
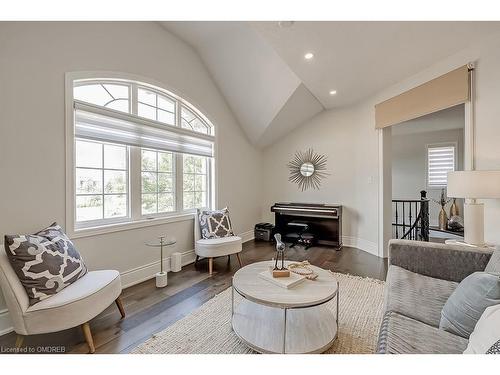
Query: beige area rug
x,y
208,329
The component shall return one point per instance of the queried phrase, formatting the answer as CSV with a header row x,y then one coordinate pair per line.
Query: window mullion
x,y
157,183
135,183
102,174
208,183
178,114
179,206
133,99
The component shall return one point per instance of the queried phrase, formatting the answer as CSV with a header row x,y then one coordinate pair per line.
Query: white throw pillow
x,y
486,332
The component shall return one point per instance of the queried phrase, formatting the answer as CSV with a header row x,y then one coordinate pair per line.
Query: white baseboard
x,y
148,271
247,236
359,243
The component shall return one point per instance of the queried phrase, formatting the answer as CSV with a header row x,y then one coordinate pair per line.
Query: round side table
x,y
161,277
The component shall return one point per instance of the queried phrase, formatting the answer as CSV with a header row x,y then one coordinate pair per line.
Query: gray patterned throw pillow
x,y
215,224
45,262
495,348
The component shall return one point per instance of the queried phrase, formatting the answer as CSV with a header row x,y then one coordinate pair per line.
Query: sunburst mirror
x,y
307,169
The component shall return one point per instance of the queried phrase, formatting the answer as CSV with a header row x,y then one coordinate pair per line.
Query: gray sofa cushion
x,y
416,296
469,300
493,265
402,335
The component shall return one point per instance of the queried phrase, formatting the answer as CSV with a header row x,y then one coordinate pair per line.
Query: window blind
x,y
440,161
104,125
440,93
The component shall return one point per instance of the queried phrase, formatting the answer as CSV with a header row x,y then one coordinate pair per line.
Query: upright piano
x,y
324,220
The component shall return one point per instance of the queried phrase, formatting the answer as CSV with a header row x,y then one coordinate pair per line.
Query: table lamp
x,y
474,185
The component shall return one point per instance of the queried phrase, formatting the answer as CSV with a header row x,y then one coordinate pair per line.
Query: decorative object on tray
x,y
454,211
161,277
303,269
443,218
279,266
456,224
307,169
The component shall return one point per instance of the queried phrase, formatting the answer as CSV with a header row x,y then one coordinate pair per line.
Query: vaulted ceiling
x,y
271,88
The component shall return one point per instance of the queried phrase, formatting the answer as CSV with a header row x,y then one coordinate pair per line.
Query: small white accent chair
x,y
73,306
215,247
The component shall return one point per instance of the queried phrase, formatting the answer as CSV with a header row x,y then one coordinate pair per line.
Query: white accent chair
x,y
73,306
215,247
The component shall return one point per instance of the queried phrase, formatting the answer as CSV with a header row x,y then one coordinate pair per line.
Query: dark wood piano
x,y
324,221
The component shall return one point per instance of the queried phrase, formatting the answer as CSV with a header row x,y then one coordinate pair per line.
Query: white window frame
x,y
135,218
455,162
99,222
208,166
175,182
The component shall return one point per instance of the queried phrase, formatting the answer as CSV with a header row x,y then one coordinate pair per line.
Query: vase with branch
x,y
443,218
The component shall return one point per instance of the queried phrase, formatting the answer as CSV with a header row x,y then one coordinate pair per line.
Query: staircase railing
x,y
411,218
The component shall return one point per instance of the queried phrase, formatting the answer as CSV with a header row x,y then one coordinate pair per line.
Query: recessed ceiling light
x,y
308,56
333,92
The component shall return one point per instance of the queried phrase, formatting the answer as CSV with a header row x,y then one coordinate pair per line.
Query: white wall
x,y
33,61
349,138
409,165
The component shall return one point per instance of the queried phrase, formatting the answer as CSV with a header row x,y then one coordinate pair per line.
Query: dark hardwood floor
x,y
150,309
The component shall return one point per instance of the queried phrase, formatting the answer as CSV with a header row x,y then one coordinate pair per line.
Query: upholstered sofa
x,y
420,278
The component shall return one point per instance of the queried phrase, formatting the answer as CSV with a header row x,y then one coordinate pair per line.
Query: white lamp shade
x,y
474,184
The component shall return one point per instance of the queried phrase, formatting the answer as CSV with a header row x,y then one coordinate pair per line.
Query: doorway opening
x,y
415,157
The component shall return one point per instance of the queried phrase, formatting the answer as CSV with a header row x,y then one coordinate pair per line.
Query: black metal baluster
x,y
415,234
410,204
397,223
404,220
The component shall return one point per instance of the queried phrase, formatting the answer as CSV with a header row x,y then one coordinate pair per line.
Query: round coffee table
x,y
272,319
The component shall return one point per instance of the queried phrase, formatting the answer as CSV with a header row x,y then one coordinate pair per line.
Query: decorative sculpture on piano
x,y
307,169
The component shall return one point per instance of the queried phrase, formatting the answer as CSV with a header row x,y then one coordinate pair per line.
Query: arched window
x,y
140,152
144,101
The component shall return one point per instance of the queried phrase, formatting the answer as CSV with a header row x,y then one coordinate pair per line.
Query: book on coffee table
x,y
284,282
